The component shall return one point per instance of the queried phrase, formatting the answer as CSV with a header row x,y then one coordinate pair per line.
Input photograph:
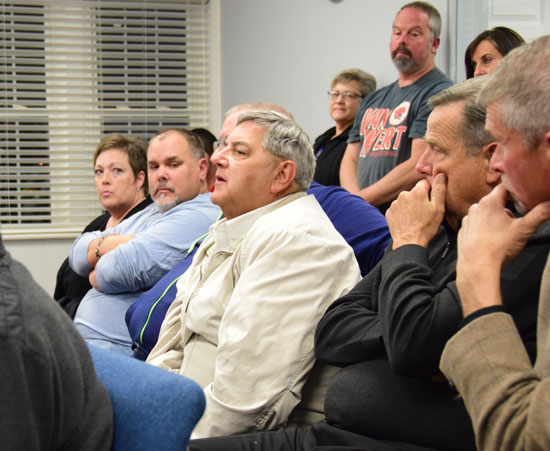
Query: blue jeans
x,y
153,408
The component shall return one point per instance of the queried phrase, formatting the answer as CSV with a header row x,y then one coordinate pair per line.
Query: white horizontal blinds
x,y
24,160
72,72
154,59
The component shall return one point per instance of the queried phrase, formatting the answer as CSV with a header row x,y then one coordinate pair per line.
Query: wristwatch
x,y
97,247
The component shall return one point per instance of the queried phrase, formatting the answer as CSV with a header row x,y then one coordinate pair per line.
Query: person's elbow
x,y
108,277
401,363
330,354
410,357
342,349
79,265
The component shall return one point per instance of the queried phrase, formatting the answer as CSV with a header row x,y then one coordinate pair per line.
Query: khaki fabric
x,y
507,399
243,321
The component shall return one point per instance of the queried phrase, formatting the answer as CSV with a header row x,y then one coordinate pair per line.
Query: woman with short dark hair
x,y
120,167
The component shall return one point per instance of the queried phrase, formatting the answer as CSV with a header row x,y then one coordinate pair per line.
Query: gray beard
x,y
164,205
403,64
520,206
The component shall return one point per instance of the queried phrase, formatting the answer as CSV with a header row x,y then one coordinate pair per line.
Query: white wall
x,y
281,51
42,257
287,51
530,18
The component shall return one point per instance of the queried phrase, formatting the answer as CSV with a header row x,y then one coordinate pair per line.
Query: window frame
x,y
76,113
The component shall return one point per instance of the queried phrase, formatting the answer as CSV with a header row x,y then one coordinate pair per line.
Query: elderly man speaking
x,y
243,320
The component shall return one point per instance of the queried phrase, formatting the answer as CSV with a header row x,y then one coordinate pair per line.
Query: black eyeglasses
x,y
222,142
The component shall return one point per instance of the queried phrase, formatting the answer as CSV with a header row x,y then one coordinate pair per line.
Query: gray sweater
x,y
51,398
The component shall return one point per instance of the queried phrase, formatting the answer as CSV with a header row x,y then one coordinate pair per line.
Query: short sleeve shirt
x,y
388,120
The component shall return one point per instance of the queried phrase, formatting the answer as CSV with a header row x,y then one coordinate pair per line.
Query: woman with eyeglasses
x,y
348,88
488,48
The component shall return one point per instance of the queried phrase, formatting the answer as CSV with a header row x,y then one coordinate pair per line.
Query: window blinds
x,y
72,72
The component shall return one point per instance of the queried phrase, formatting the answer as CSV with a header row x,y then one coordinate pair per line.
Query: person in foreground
x,y
244,316
51,396
120,168
123,261
506,396
388,333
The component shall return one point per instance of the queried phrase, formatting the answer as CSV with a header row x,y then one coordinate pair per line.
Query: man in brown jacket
x,y
507,398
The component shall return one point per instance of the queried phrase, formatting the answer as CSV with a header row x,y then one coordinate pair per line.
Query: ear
x,y
140,179
547,144
203,169
545,147
492,177
435,44
285,173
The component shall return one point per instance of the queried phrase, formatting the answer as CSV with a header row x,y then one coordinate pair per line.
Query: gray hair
x,y
521,86
284,138
434,18
259,106
194,142
367,82
471,130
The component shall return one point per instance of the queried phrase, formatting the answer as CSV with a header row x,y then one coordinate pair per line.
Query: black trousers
x,y
369,407
320,437
368,398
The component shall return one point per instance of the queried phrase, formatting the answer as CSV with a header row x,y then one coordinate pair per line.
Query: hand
x,y
490,235
415,216
108,243
491,232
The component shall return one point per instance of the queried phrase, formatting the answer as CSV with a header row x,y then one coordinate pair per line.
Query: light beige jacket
x,y
245,313
508,399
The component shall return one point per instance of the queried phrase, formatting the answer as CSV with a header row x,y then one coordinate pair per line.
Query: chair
x,y
153,408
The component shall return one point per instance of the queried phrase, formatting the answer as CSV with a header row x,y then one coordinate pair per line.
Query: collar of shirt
x,y
228,233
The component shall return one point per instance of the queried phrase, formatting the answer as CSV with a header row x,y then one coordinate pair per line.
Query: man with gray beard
x,y
387,137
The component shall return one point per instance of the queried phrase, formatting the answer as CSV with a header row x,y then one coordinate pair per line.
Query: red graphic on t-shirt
x,y
379,137
400,113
